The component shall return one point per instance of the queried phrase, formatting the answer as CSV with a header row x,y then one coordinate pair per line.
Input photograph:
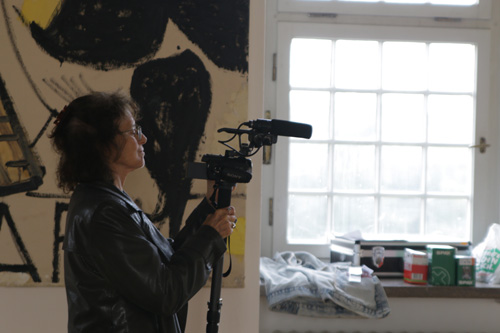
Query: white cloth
x,y
299,283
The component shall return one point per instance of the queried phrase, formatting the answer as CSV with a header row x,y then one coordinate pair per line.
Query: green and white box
x,y
442,269
466,270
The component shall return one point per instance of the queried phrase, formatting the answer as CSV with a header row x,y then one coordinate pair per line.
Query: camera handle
x,y
215,304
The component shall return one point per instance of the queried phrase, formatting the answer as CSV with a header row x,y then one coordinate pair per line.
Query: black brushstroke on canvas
x,y
68,89
12,133
15,48
28,266
104,34
47,195
218,27
34,87
174,95
58,239
115,33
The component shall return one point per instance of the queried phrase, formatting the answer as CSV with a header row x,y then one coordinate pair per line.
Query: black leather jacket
x,y
121,274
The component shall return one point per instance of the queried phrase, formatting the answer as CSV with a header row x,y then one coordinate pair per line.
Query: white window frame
x,y
484,204
480,11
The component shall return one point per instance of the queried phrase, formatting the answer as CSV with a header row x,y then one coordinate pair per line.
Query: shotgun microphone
x,y
281,127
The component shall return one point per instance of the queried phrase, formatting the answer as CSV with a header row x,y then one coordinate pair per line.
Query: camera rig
x,y
235,167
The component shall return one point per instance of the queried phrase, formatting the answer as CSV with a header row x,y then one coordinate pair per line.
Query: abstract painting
x,y
185,63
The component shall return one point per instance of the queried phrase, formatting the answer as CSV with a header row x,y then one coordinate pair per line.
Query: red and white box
x,y
415,267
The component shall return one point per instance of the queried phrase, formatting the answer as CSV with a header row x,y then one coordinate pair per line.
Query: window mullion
x,y
378,145
331,144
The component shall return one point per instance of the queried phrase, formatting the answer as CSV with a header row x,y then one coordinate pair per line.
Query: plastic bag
x,y
487,255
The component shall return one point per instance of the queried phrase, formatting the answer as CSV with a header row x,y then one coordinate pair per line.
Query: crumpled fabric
x,y
301,284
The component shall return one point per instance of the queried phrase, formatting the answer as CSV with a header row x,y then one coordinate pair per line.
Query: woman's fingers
x,y
223,220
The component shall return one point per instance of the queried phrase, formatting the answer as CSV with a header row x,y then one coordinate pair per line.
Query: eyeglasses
x,y
137,130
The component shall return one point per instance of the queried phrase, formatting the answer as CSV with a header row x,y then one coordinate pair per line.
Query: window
x,y
394,112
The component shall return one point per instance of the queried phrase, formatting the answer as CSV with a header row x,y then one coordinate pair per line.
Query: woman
x,y
121,274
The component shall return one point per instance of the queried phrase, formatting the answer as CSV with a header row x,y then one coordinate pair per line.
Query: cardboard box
x,y
415,267
442,268
466,270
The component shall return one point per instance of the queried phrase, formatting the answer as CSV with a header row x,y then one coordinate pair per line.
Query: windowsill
x,y
399,288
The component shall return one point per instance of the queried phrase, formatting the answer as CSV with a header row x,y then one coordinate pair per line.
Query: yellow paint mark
x,y
40,11
238,237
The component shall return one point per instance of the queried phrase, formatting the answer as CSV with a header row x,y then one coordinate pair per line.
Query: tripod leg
x,y
215,303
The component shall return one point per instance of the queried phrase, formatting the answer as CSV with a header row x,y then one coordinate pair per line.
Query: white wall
x,y
240,307
408,315
35,309
44,309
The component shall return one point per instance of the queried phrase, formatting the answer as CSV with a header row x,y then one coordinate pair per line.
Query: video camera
x,y
234,166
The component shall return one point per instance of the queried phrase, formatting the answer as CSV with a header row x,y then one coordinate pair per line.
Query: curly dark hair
x,y
84,137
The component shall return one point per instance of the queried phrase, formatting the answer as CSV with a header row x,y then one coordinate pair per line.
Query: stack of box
x,y
466,271
440,266
415,267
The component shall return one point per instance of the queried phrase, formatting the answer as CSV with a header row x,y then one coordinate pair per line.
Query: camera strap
x,y
228,242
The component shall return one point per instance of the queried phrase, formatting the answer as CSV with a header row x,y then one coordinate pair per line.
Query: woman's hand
x,y
223,220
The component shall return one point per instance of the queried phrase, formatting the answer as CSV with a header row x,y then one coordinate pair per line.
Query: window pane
x,y
455,2
437,2
406,1
443,108
308,165
452,67
400,216
307,219
404,66
401,169
357,64
403,118
433,2
353,213
448,217
354,167
361,0
312,107
355,116
310,63
449,170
